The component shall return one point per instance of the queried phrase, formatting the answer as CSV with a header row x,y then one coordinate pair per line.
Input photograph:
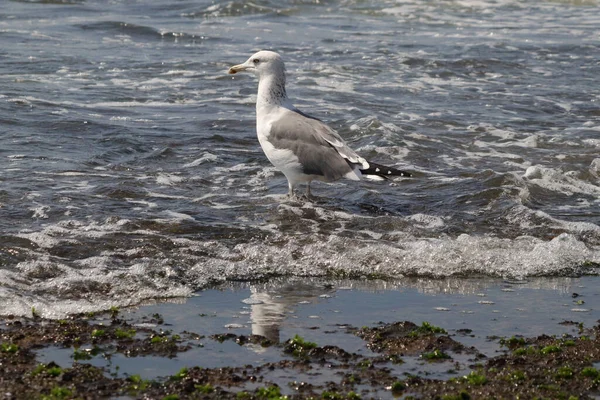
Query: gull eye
x,y
256,61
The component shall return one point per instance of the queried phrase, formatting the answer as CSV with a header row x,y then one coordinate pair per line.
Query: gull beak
x,y
237,68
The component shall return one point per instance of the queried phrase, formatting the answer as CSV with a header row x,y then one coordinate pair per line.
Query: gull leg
x,y
308,194
291,191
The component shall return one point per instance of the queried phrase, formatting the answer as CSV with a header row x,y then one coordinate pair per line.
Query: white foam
x,y
182,72
206,157
427,221
40,212
148,204
166,196
595,166
103,280
527,219
557,181
168,179
175,216
465,255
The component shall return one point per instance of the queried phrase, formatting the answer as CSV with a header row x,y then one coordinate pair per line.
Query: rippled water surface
x,y
130,168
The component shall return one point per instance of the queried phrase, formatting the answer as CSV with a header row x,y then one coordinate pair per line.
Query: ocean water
x,y
130,168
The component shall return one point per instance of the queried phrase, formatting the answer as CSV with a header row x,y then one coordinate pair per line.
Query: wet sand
x,y
330,339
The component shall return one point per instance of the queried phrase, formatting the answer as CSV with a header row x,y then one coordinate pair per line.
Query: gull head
x,y
262,64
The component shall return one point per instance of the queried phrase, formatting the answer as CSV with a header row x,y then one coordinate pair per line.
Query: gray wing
x,y
320,150
334,139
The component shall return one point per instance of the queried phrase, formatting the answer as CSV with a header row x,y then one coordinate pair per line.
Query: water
x,y
131,170
475,312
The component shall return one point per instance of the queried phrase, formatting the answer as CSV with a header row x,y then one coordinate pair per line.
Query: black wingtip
x,y
383,171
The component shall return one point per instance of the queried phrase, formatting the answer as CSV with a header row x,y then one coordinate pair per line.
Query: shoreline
x,y
319,339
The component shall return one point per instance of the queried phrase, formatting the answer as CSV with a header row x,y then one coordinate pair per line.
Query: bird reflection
x,y
271,306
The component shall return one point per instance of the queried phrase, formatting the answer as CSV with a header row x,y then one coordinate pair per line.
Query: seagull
x,y
303,147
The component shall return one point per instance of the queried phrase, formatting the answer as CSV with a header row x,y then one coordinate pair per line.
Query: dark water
x,y
130,166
